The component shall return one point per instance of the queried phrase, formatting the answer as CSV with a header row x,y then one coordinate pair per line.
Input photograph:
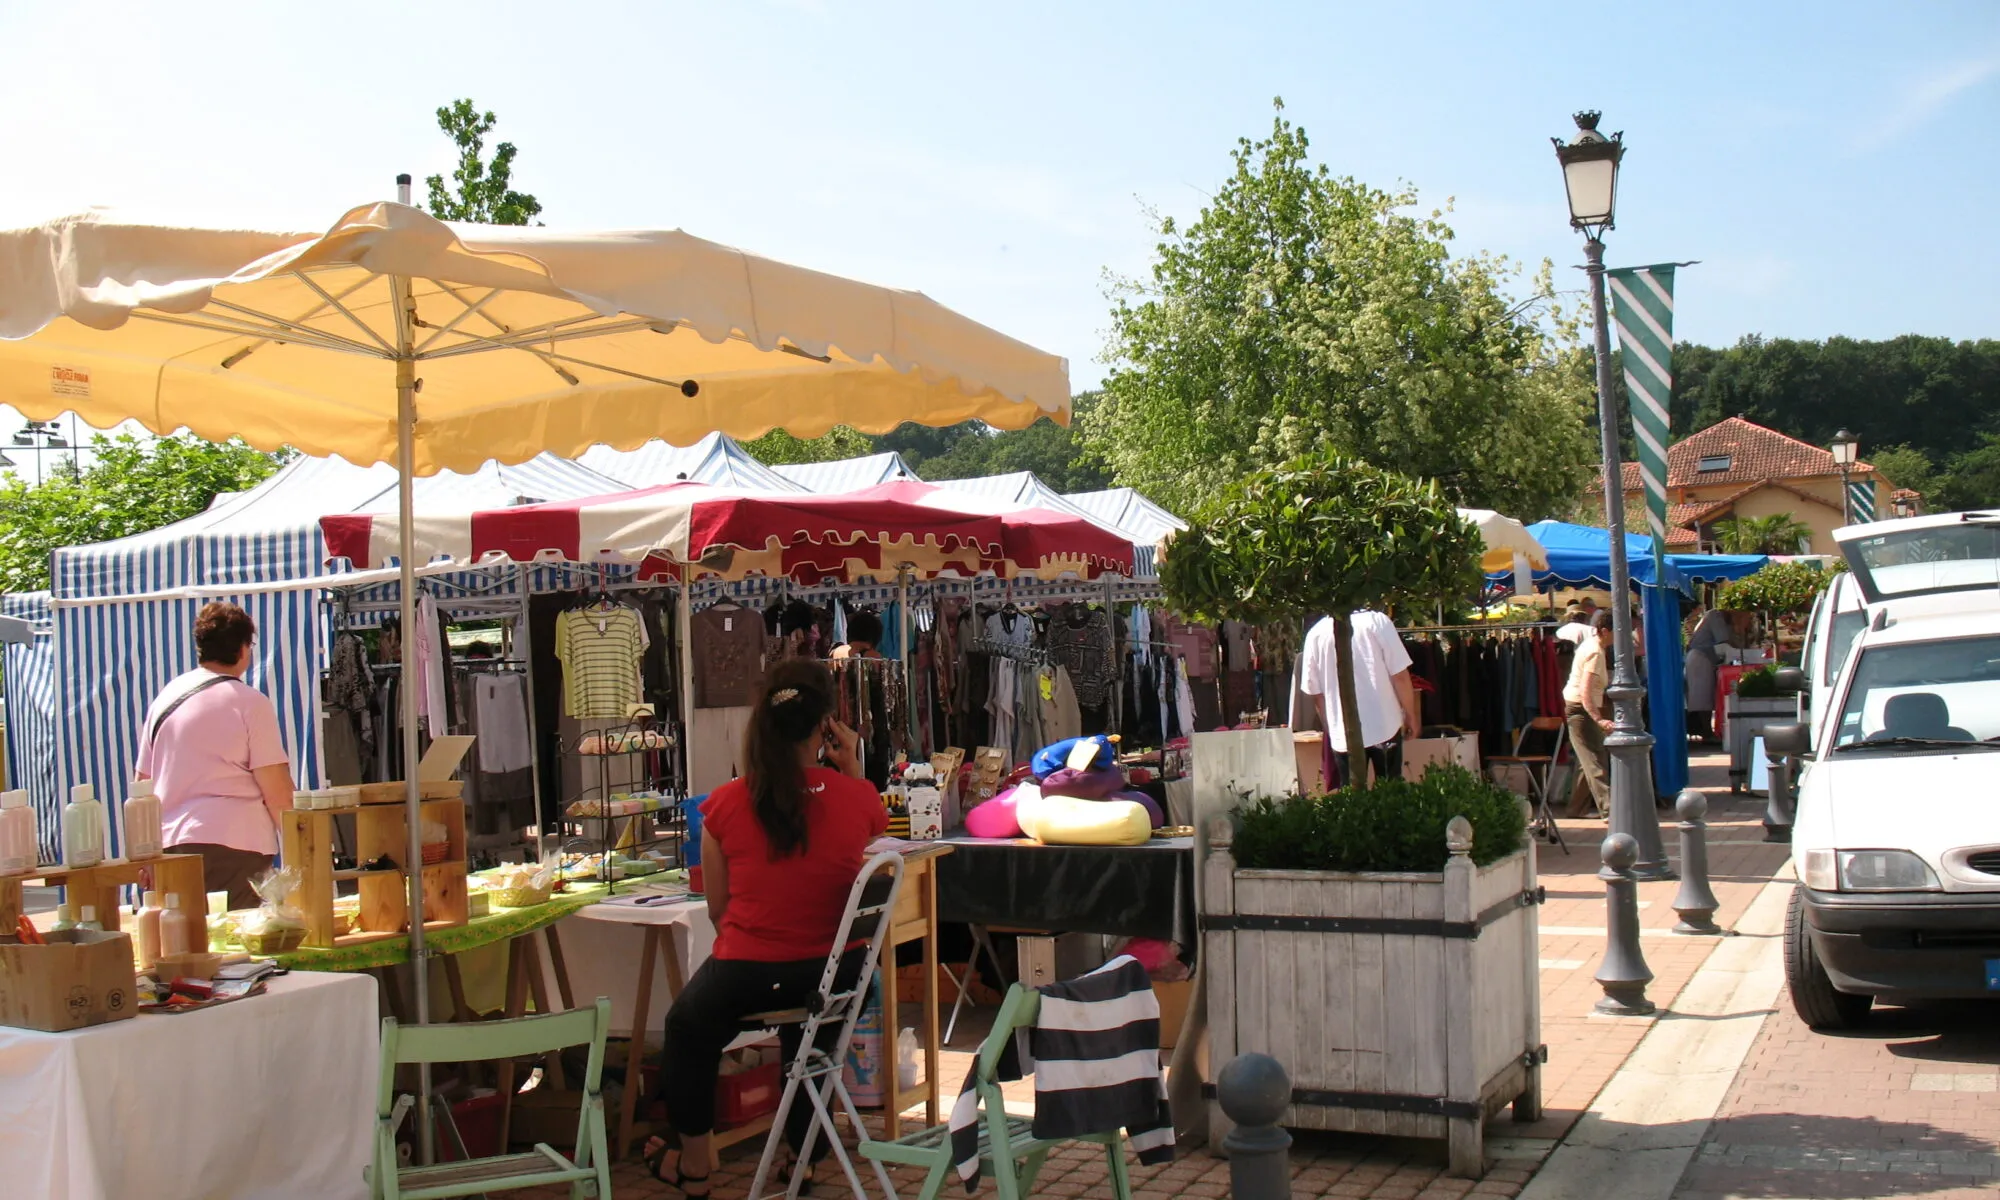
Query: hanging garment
x,y
500,719
729,649
1080,639
429,661
1094,1051
600,648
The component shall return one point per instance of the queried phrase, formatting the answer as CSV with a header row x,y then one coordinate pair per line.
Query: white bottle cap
x,y
152,900
63,913
18,798
81,794
141,787
173,899
89,913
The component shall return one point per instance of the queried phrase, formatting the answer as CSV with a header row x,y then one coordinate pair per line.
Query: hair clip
x,y
784,696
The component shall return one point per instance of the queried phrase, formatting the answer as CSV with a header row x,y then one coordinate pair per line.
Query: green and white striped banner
x,y
1861,501
1642,301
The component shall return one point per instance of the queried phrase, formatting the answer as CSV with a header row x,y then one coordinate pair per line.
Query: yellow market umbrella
x,y
394,337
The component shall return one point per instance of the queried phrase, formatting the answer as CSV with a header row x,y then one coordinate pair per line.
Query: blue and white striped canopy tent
x,y
120,612
847,474
1128,510
30,675
717,459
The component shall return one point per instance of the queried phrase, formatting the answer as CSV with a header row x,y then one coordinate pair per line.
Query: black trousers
x,y
1386,759
710,1013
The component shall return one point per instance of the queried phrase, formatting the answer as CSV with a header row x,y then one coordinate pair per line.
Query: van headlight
x,y
1884,871
1817,871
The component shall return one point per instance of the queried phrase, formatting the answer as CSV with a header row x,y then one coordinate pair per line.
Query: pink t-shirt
x,y
202,759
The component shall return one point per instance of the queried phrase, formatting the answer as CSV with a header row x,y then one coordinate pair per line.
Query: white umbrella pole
x,y
684,634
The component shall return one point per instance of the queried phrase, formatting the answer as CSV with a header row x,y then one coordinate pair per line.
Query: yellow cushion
x,y
1068,821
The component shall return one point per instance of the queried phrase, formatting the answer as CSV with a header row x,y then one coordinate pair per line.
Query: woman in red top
x,y
780,849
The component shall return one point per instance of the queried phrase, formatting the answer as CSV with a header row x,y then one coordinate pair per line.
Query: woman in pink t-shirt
x,y
211,747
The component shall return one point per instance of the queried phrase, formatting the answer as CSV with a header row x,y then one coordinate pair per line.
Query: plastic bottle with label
x,y
83,828
142,821
65,919
18,854
146,930
87,919
177,929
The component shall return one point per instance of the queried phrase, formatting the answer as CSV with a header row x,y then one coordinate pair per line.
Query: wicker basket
x,y
521,897
434,852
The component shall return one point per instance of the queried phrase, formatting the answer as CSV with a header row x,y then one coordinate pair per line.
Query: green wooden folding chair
x,y
1008,1147
588,1175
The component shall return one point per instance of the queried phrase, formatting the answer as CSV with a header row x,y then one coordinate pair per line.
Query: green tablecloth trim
x,y
501,924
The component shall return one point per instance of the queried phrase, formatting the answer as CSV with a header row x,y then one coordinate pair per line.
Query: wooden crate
x,y
99,886
308,844
398,792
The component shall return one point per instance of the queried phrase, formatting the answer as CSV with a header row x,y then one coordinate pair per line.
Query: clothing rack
x,y
1034,655
1509,627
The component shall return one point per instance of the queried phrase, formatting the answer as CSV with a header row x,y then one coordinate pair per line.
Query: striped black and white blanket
x,y
1095,1054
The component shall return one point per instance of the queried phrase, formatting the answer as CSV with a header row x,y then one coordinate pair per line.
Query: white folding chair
x,y
813,1076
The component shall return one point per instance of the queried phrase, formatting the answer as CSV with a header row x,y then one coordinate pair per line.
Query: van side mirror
x,y
1790,681
1787,739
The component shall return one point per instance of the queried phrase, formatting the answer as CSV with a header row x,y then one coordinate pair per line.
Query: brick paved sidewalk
x,y
1584,1050
1905,1107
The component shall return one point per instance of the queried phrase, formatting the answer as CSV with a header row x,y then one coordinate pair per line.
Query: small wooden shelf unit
x,y
380,828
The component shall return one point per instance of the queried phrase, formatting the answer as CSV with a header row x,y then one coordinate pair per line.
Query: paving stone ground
x,y
1584,1050
1909,1106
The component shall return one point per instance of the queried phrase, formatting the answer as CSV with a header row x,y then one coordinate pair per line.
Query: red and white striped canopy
x,y
733,533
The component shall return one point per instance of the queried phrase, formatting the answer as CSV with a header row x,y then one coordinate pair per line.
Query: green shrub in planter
x,y
1393,826
1760,684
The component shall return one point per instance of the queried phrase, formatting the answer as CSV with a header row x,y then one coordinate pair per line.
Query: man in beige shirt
x,y
1588,714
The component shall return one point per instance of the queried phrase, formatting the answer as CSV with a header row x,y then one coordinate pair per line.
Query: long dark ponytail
x,y
797,696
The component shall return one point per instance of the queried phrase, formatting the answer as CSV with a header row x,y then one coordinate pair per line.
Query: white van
x,y
1838,616
1897,834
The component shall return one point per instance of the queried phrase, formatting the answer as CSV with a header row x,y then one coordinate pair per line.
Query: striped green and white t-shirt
x,y
600,650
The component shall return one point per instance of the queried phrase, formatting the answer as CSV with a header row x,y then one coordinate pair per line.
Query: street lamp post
x,y
1845,448
1590,173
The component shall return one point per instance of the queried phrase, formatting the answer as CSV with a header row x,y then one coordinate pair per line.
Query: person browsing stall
x,y
1383,693
211,748
1588,713
864,637
780,850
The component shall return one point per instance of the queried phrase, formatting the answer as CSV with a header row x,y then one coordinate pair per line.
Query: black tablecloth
x,y
1126,891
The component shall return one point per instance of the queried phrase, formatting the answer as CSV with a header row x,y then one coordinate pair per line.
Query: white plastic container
x,y
177,929
87,919
142,821
18,854
146,930
83,828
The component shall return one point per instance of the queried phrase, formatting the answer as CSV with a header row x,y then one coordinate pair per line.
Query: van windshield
x,y
1942,692
1934,558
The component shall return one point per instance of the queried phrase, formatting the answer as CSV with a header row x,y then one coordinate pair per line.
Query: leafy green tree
x,y
131,485
484,194
1302,311
1783,589
1328,534
778,447
1055,453
1779,533
1974,479
1906,467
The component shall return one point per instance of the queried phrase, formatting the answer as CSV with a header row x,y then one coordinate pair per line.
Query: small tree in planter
x,y
1323,533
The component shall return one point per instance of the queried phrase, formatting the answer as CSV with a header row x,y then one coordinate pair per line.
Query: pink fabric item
x,y
1152,953
1094,784
995,818
201,765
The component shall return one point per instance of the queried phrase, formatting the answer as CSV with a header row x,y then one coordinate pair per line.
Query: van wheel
x,y
1813,994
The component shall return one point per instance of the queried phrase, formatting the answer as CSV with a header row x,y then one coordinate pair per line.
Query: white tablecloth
x,y
601,946
272,1096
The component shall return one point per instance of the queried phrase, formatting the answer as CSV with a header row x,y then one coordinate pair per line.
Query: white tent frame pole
x,y
684,635
403,302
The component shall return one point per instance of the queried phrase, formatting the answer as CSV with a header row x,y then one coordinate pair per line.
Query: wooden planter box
x,y
1406,1005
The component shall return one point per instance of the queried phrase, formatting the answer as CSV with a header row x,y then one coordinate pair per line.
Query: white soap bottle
x,y
142,821
176,929
18,854
146,930
87,919
83,828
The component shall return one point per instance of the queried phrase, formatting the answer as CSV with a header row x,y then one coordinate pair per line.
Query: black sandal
x,y
680,1182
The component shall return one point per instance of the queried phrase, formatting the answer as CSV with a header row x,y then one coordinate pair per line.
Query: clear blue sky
x,y
1833,165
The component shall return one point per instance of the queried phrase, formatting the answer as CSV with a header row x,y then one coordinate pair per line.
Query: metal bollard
x,y
1254,1092
1624,975
1782,745
1695,901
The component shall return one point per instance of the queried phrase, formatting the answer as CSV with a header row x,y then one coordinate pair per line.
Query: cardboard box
x,y
1174,999
80,978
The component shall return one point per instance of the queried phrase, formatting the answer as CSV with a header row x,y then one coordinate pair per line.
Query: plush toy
x,y
1094,784
1144,801
1052,758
